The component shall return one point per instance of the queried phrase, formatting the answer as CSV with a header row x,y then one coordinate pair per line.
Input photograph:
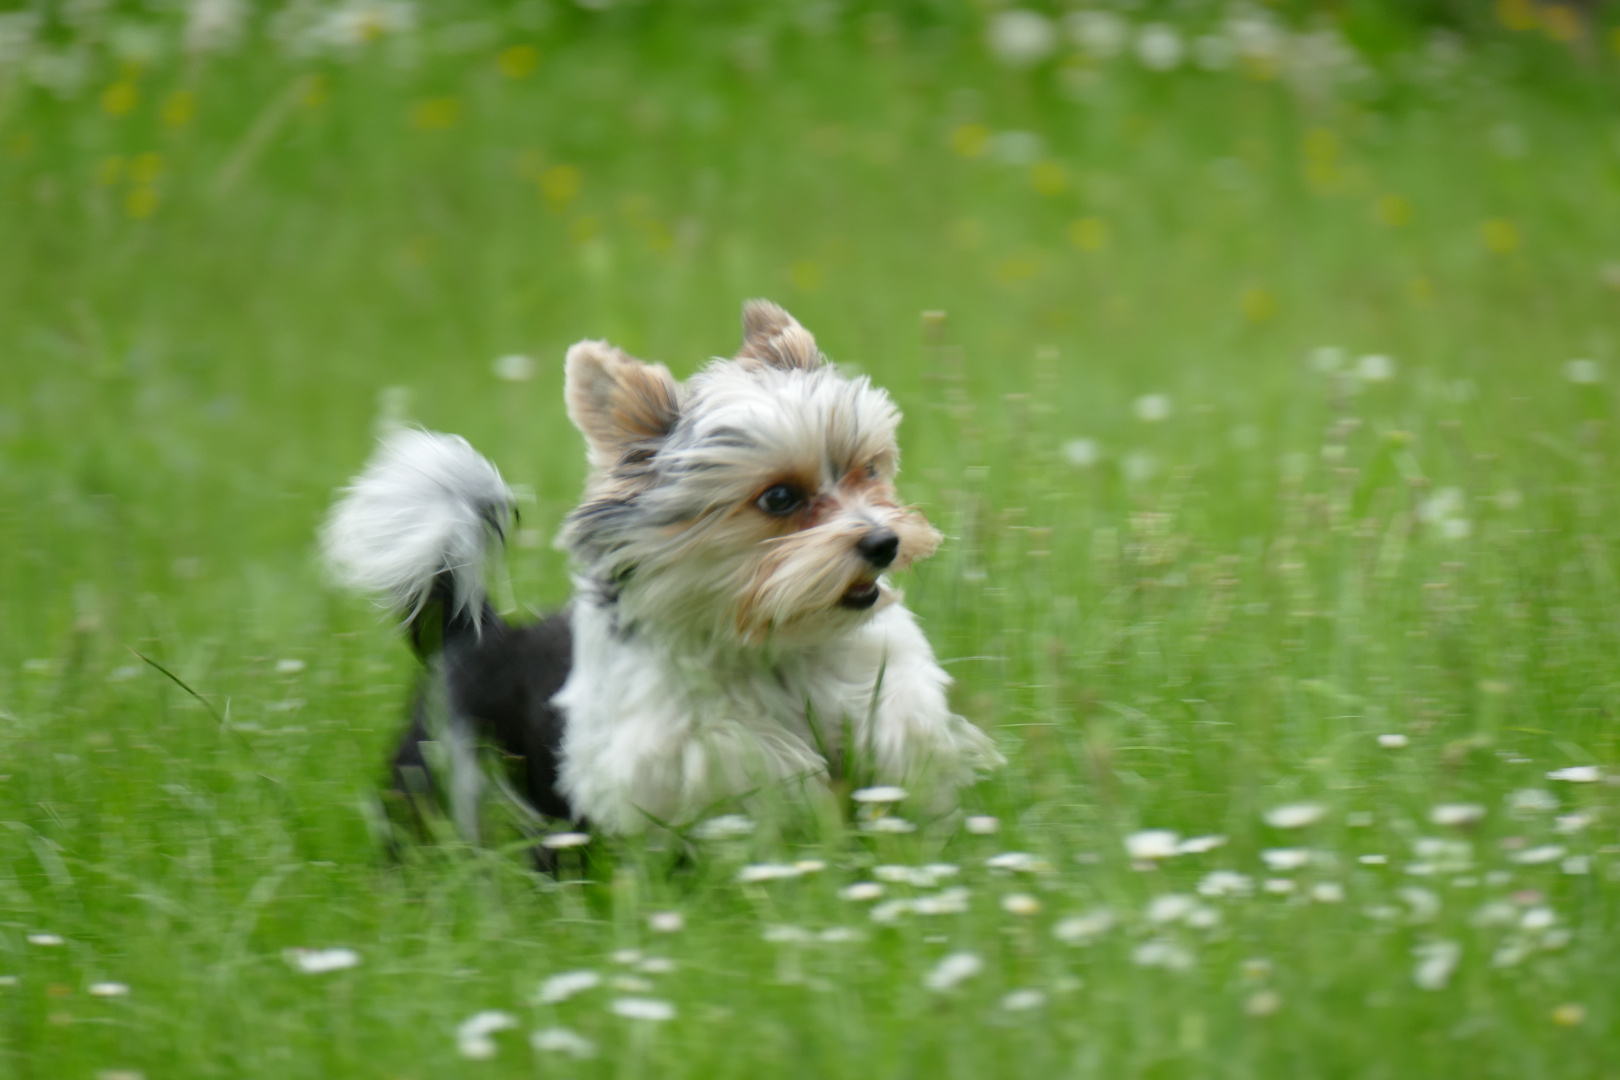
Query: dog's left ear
x,y
774,338
621,405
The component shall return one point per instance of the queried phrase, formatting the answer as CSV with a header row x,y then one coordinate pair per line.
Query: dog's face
x,y
756,503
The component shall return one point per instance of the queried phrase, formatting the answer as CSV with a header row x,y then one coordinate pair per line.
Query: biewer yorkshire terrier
x,y
732,630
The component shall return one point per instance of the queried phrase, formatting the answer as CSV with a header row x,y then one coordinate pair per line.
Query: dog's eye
x,y
780,500
871,470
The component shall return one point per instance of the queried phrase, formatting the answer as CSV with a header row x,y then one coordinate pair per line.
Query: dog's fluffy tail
x,y
416,528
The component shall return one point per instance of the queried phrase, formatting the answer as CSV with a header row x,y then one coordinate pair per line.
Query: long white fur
x,y
655,734
424,504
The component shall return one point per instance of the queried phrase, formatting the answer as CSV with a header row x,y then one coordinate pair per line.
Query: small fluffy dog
x,y
731,630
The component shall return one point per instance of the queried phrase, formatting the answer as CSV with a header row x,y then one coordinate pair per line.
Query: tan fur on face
x,y
670,527
774,338
620,404
806,573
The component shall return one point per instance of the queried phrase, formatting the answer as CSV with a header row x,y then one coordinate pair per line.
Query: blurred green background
x,y
1257,361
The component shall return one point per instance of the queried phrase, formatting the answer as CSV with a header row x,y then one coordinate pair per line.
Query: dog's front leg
x,y
903,729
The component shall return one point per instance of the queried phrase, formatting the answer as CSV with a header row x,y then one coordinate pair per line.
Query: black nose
x,y
878,547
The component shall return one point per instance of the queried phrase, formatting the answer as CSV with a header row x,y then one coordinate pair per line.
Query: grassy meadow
x,y
1259,365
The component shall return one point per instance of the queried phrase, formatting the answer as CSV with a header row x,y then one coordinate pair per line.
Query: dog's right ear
x,y
621,405
774,338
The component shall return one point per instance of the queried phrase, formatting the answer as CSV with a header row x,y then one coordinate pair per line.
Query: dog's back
x,y
417,526
499,685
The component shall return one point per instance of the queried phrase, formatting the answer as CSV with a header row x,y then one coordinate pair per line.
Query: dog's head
x,y
756,503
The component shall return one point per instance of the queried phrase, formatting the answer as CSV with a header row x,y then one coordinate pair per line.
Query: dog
x,y
732,631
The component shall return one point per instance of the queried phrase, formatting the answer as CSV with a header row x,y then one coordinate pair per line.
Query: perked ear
x,y
620,404
773,337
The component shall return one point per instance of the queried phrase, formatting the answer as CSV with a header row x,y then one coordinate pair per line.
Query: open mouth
x,y
860,596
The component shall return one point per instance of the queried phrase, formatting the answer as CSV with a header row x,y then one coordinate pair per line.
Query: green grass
x,y
1218,616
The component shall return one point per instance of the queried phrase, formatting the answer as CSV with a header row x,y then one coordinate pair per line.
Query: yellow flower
x,y
1261,67
529,164
1088,233
121,97
1561,22
179,108
146,168
967,233
1322,158
1516,14
1017,268
1500,235
659,236
317,89
970,140
1393,210
1257,304
1049,178
560,184
519,61
584,230
806,275
1569,1014
141,202
436,114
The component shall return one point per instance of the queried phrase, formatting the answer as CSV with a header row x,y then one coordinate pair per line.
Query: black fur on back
x,y
499,680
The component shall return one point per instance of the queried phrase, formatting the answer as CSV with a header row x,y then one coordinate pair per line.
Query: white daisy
x,y
1545,853
1159,47
861,891
1083,929
1020,38
1577,774
473,1036
321,961
1170,907
565,985
560,1040
643,1008
1011,860
1225,883
1286,858
514,367
1375,368
724,827
1020,904
1152,408
883,794
1436,961
953,970
1457,814
1295,815
1327,892
1198,845
1100,34
1023,1000
1163,953
1151,844
1583,372
1081,453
